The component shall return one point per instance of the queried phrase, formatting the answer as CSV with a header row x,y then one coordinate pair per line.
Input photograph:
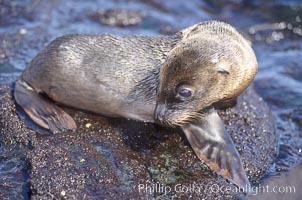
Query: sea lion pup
x,y
173,80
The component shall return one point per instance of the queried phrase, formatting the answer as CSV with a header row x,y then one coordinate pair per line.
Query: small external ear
x,y
223,67
223,71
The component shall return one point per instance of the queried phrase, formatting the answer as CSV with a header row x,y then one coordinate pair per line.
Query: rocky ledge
x,y
118,158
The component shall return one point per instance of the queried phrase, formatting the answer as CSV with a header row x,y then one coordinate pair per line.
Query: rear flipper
x,y
41,110
212,144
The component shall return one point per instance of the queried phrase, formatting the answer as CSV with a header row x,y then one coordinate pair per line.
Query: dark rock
x,y
119,17
282,187
168,30
114,158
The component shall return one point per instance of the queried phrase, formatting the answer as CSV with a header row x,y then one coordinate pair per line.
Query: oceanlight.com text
x,y
212,188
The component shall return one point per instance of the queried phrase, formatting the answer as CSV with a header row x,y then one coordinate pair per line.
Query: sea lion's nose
x,y
160,112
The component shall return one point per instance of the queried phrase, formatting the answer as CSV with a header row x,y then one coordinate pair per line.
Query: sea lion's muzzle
x,y
160,113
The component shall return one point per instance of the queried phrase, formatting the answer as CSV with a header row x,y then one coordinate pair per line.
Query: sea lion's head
x,y
212,63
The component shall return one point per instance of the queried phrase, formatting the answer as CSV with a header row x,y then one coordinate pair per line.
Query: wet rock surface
x,y
111,158
118,17
286,186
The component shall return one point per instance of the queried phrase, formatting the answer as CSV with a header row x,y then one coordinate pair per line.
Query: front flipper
x,y
212,144
41,110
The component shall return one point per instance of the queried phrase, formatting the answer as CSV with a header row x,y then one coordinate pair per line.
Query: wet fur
x,y
133,77
90,71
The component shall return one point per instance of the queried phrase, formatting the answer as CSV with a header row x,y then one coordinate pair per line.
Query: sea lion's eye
x,y
184,92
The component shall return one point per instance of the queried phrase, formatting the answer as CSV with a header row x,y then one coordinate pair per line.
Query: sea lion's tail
x,y
41,110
